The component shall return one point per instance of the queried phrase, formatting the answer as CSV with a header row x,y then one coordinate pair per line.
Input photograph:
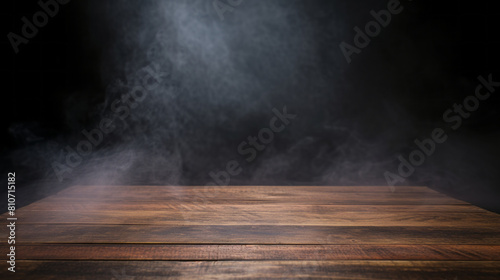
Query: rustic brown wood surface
x,y
253,232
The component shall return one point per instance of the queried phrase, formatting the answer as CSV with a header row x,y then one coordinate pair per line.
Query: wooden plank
x,y
190,206
262,198
158,232
242,190
255,269
257,252
96,189
252,234
228,217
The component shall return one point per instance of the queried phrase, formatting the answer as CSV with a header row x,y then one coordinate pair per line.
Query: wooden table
x,y
264,232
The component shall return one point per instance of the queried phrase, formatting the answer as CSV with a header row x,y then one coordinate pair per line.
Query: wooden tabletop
x,y
257,232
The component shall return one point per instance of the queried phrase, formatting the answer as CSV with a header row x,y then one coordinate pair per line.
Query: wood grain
x,y
228,216
376,198
107,189
257,252
253,232
383,270
262,234
187,206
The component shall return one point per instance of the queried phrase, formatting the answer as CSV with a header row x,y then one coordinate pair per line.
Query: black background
x,y
353,119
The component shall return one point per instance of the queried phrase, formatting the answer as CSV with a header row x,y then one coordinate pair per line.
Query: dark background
x,y
224,78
